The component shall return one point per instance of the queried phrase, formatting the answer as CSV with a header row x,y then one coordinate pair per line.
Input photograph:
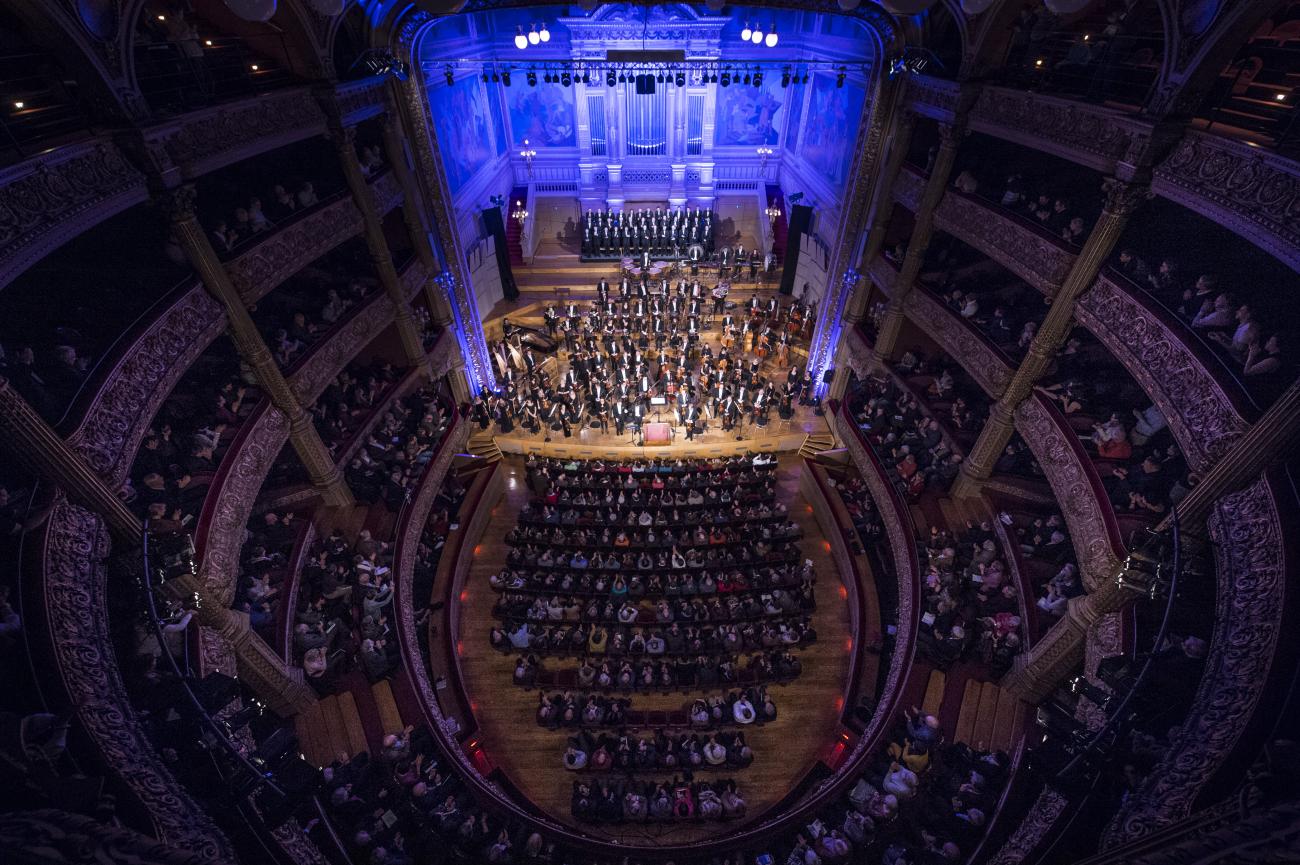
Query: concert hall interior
x,y
463,431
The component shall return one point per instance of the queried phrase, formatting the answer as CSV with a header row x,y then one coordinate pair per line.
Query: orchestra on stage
x,y
650,351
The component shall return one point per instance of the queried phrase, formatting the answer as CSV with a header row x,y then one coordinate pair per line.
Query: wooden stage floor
x,y
530,756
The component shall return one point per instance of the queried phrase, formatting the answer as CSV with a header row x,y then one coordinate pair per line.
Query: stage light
x,y
521,41
495,77
485,76
533,37
505,77
771,39
566,79
586,78
446,73
757,36
532,78
545,34
610,79
839,79
746,33
547,77
622,77
746,77
660,77
681,79
726,79
785,78
758,78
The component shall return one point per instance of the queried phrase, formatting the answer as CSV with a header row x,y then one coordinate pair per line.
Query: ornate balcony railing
x,y
1098,544
884,273
1251,191
960,339
1206,406
1026,250
361,99
211,138
292,247
1246,662
1091,135
386,191
54,196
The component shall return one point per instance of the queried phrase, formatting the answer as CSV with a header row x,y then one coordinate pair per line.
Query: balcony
x,y
961,340
908,186
1206,405
1025,249
1098,543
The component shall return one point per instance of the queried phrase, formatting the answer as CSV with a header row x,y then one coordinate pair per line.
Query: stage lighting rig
x,y
532,78
446,73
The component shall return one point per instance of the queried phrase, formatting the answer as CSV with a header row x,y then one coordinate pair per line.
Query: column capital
x,y
1122,197
179,203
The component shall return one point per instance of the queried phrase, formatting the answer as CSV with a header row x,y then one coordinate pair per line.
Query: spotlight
x,y
586,78
746,77
713,79
681,79
622,77
839,79
660,77
726,79
771,39
485,76
533,38
746,33
521,41
565,79
496,78
446,73
757,36
545,35
532,78
505,77
758,78
785,78
610,79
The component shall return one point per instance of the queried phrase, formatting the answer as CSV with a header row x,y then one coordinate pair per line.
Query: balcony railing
x,y
908,186
1206,405
961,340
1098,543
1027,250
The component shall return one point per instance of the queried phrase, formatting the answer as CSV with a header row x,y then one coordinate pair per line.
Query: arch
x,y
1197,50
98,62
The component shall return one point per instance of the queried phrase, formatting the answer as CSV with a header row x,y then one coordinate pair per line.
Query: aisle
x,y
529,755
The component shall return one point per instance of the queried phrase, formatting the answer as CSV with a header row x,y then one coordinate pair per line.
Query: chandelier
x,y
532,37
773,212
528,153
519,213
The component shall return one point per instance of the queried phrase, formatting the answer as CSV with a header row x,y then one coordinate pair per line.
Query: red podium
x,y
657,434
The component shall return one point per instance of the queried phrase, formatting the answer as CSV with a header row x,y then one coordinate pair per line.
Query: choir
x,y
678,233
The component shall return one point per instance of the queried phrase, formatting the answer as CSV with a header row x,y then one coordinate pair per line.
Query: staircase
x,y
815,444
483,445
334,726
780,228
515,230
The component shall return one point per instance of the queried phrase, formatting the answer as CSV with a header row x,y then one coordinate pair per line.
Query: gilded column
x,y
345,140
281,685
395,152
884,206
1121,200
32,442
1059,654
316,458
922,232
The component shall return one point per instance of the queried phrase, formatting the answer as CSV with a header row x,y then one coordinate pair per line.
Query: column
x,y
282,685
26,436
316,458
1121,200
344,138
1059,653
922,231
884,206
395,153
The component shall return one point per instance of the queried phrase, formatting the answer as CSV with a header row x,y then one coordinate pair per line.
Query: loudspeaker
x,y
828,376
496,227
800,217
645,85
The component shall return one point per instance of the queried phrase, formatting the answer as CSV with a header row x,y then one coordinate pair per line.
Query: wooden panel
x,y
352,723
1004,721
988,708
338,731
389,716
934,692
970,703
313,739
